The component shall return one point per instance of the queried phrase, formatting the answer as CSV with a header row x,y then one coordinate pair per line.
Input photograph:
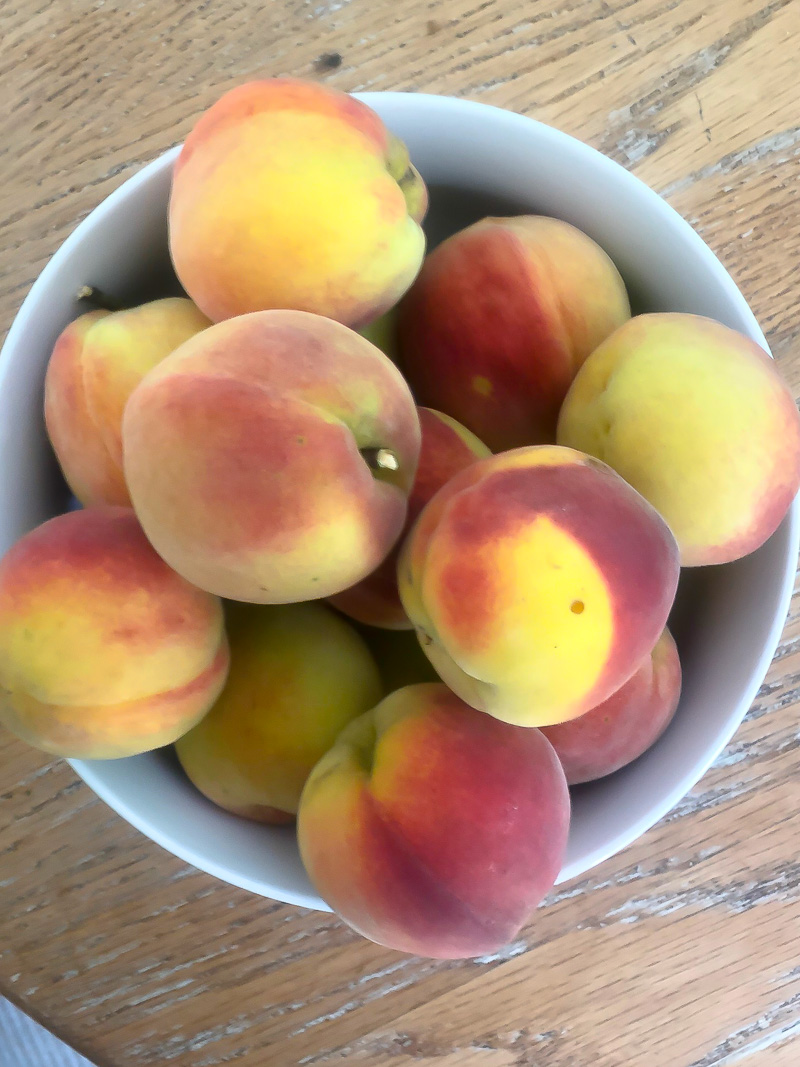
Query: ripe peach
x,y
299,674
291,194
625,725
104,651
501,317
433,829
538,580
698,419
253,457
447,448
97,362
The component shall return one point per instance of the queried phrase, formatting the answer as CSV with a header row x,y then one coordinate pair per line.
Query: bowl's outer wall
x,y
478,160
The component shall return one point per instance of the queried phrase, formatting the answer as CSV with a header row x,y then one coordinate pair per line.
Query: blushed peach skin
x,y
499,320
247,457
97,362
299,674
104,651
538,580
447,447
291,194
620,729
433,829
698,419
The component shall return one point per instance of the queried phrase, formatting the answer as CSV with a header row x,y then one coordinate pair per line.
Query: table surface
x,y
680,952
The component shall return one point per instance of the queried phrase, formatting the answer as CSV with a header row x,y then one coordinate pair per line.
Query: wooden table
x,y
681,952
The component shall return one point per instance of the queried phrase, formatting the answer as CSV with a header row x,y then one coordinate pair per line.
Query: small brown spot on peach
x,y
576,607
482,385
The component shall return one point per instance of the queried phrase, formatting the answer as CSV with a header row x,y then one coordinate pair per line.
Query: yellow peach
x,y
299,674
698,419
291,194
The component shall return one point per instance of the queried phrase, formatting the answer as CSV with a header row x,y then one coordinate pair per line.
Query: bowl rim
x,y
516,125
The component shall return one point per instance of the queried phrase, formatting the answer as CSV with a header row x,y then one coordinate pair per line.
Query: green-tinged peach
x,y
698,419
292,194
433,829
620,729
447,447
104,651
97,362
270,457
399,657
499,320
538,580
299,674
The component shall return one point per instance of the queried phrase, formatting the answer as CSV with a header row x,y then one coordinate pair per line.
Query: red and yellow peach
x,y
269,458
538,580
499,320
104,651
97,362
432,828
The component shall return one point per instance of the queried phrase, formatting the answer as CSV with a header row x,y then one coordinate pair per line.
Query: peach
x,y
625,725
433,829
269,458
447,447
299,674
698,419
97,362
538,581
104,651
399,657
291,194
499,320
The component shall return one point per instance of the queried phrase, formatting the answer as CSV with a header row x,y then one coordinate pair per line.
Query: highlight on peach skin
x,y
447,447
538,580
104,651
270,457
290,194
299,674
461,883
698,419
499,320
623,727
97,362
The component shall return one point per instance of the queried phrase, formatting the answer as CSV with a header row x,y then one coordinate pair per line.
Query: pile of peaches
x,y
383,543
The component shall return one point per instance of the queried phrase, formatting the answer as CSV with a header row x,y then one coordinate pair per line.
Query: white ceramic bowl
x,y
477,160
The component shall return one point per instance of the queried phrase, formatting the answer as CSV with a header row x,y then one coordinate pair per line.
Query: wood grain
x,y
682,951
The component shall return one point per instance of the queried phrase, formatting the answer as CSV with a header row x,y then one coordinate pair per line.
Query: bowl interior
x,y
478,161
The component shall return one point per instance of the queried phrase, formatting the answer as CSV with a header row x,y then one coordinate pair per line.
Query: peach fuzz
x,y
97,362
104,651
620,729
538,581
433,829
447,447
253,454
291,194
299,674
698,419
499,320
